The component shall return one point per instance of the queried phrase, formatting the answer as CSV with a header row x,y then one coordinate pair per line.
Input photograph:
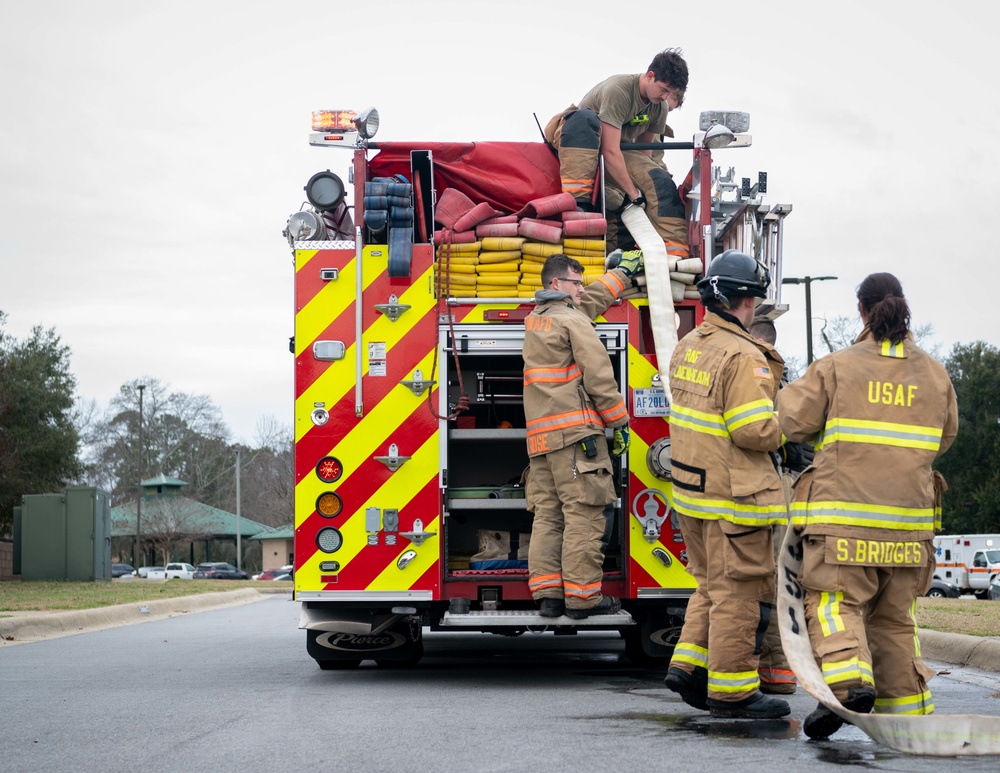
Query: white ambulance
x,y
969,561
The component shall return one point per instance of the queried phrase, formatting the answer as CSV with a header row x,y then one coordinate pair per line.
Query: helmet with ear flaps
x,y
733,274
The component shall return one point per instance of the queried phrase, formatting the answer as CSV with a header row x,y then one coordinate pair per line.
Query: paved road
x,y
232,689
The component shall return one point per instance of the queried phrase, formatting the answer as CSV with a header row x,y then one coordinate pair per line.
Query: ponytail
x,y
881,297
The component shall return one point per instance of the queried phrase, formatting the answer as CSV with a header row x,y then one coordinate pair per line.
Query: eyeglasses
x,y
577,282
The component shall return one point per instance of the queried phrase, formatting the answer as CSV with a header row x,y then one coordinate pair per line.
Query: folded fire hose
x,y
938,735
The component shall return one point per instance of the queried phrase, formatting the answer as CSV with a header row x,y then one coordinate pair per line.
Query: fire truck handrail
x,y
657,146
359,353
453,301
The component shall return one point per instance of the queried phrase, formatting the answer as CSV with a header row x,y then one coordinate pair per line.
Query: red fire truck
x,y
409,421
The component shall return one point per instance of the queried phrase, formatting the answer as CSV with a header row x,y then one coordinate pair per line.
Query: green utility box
x,y
66,536
17,540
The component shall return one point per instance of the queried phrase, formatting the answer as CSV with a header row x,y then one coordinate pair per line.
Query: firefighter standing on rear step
x,y
869,506
727,493
626,108
570,396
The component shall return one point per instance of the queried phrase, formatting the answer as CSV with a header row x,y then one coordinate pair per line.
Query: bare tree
x,y
840,332
183,436
268,478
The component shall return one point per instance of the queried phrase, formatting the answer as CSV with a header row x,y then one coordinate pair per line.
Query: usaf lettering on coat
x,y
887,393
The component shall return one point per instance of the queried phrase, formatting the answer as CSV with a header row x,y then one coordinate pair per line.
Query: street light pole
x,y
138,505
239,560
807,281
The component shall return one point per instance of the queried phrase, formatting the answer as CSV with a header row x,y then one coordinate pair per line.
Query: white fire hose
x,y
938,735
661,302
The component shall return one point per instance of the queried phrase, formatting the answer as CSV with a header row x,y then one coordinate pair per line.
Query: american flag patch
x,y
762,373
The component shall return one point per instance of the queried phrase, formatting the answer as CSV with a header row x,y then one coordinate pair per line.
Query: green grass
x,y
57,596
971,616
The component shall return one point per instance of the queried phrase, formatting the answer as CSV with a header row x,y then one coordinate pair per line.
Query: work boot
x,y
822,723
609,605
693,688
552,608
757,706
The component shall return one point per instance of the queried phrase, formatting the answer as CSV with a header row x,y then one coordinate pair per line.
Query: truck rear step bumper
x,y
521,618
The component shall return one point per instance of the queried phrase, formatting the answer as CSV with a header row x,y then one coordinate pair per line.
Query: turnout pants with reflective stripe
x,y
728,613
774,668
568,494
578,140
863,630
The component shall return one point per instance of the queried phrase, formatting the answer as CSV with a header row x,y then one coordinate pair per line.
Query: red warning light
x,y
329,469
507,315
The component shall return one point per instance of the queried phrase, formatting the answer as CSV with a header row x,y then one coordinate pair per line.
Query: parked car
x,y
156,573
180,571
943,590
284,577
270,574
122,570
994,592
219,570
143,571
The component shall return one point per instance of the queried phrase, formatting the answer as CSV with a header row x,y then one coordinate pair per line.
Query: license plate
x,y
650,402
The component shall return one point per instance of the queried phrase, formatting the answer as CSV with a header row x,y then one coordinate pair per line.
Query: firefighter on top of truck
x,y
570,396
727,493
871,488
629,108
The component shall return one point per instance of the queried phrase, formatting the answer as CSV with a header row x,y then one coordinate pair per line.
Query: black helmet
x,y
734,274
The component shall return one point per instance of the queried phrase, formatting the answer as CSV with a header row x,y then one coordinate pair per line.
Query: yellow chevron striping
x,y
402,486
365,438
640,370
302,257
672,576
385,415
394,578
331,302
338,379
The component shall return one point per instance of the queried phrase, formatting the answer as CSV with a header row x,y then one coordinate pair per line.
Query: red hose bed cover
x,y
505,175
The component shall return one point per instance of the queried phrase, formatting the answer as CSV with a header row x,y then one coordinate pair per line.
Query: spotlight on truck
x,y
325,191
721,128
367,123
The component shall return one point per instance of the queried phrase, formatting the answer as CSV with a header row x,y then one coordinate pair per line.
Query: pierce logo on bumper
x,y
351,642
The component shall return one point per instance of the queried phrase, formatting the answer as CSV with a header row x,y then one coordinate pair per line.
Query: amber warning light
x,y
334,121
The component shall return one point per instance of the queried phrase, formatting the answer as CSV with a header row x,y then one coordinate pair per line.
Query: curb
x,y
20,630
981,652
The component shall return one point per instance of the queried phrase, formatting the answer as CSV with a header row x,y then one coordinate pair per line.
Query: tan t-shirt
x,y
617,101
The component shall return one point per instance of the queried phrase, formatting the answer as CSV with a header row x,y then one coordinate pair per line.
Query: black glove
x,y
796,456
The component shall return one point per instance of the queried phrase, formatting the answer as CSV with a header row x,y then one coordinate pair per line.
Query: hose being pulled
x,y
661,302
938,735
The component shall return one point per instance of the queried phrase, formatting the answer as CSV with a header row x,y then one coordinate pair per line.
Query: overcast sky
x,y
152,153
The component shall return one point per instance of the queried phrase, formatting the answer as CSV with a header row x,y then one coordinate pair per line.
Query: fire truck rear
x,y
410,447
